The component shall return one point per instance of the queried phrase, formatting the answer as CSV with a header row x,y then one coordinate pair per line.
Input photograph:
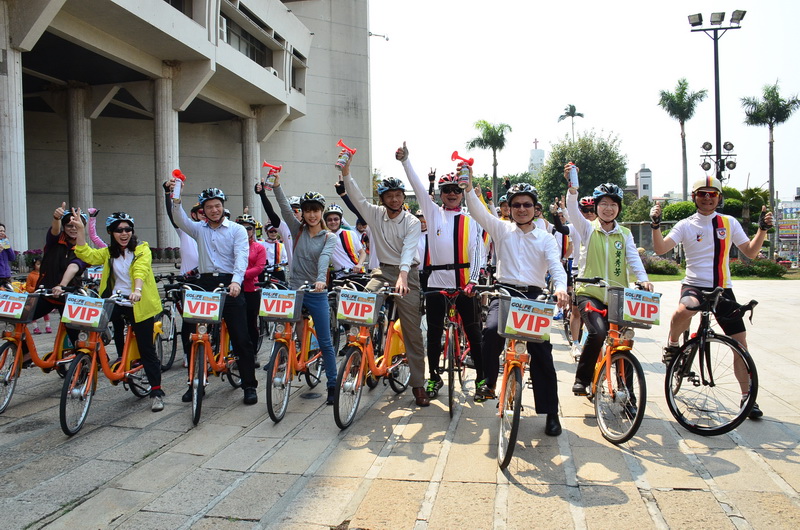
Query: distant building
x,y
536,162
644,182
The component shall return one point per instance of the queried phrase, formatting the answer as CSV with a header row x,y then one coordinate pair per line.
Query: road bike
x,y
711,384
361,312
90,316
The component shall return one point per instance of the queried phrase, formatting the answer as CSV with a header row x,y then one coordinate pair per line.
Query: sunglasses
x,y
452,189
518,205
126,229
711,194
587,210
249,228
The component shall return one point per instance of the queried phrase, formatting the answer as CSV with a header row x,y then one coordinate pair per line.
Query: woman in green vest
x,y
608,252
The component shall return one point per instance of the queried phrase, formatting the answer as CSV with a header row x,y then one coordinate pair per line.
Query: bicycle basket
x,y
523,319
87,313
633,308
358,308
202,307
279,305
17,307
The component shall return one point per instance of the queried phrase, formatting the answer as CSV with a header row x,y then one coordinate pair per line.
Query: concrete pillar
x,y
79,150
167,156
251,164
13,205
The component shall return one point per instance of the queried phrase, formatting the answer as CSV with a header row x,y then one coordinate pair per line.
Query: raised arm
x,y
273,217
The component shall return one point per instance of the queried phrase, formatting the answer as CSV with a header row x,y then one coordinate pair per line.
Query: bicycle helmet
x,y
586,201
211,193
196,208
707,182
226,213
448,180
312,196
67,217
419,213
115,218
523,189
294,201
389,184
246,218
332,208
502,199
608,190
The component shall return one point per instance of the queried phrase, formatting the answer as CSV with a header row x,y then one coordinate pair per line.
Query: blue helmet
x,y
389,184
607,190
117,217
67,217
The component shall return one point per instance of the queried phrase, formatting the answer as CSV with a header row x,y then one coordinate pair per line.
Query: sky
x,y
450,63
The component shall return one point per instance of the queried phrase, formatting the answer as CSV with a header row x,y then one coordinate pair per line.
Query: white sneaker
x,y
157,403
575,352
186,361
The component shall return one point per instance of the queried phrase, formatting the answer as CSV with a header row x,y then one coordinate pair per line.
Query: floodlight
x,y
730,164
707,146
706,165
727,146
696,20
737,16
717,18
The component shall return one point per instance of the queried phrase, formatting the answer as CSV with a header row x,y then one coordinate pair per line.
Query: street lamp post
x,y
716,32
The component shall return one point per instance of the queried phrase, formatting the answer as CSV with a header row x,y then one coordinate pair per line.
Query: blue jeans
x,y
319,309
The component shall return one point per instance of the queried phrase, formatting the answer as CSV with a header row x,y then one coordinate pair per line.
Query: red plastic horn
x,y
350,150
455,157
273,170
178,175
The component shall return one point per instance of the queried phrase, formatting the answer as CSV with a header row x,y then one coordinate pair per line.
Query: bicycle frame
x,y
383,366
218,362
512,360
614,342
298,363
47,362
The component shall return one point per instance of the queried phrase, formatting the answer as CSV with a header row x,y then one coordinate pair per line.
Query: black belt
x,y
448,267
216,276
526,289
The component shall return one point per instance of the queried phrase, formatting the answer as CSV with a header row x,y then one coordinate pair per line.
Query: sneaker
x,y
250,396
559,315
669,353
37,331
575,352
755,412
331,395
157,403
432,387
186,361
48,329
187,397
468,362
483,393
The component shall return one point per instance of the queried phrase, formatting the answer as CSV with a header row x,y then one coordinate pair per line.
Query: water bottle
x,y
463,175
573,176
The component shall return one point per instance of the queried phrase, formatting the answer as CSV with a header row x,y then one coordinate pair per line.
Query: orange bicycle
x,y
288,359
16,310
360,312
90,316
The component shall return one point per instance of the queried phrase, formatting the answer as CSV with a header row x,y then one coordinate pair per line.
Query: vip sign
x,y
357,307
12,304
202,305
641,306
83,310
528,319
278,303
94,273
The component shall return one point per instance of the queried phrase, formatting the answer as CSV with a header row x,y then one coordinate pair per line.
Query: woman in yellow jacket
x,y
127,268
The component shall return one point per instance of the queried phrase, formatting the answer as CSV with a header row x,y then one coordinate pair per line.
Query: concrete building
x,y
644,183
101,99
536,162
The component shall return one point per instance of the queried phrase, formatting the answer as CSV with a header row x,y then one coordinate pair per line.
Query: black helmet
x,y
211,193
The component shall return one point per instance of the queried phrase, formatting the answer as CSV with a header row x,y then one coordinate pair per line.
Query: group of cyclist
x,y
449,243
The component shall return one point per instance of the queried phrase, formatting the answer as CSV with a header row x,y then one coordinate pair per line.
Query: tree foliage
x,y
678,210
492,137
598,158
635,209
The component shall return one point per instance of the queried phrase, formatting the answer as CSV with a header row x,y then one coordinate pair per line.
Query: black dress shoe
x,y
552,426
579,389
250,396
187,396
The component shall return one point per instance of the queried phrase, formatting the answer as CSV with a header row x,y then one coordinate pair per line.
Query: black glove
x,y
432,175
507,184
762,221
339,187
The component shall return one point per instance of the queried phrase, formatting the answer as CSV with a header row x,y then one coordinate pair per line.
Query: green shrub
x,y
678,210
732,207
761,268
657,265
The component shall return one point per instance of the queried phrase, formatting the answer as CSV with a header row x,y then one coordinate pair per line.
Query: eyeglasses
x,y
710,194
249,228
122,229
452,189
518,205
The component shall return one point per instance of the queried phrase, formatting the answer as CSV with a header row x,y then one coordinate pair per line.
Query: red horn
x,y
178,175
455,157
341,144
273,169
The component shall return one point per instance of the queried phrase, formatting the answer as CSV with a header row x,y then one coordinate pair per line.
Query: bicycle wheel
x,y
314,369
510,410
232,374
371,380
400,375
279,384
138,384
461,357
620,410
9,374
450,361
263,329
198,381
704,388
348,388
166,345
565,319
379,336
336,335
76,394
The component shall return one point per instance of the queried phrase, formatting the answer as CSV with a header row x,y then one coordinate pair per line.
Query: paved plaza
x,y
402,467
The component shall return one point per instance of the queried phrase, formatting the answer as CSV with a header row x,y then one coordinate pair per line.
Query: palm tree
x,y
569,112
492,137
770,111
681,106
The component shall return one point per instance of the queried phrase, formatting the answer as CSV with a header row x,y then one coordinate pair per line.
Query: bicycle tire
x,y
166,345
450,361
198,381
565,324
371,380
461,357
336,335
348,387
620,414
400,374
9,372
510,410
704,409
76,394
232,372
279,382
138,385
314,369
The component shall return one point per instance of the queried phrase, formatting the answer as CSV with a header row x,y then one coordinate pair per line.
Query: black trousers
x,y
596,331
542,369
435,310
144,339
